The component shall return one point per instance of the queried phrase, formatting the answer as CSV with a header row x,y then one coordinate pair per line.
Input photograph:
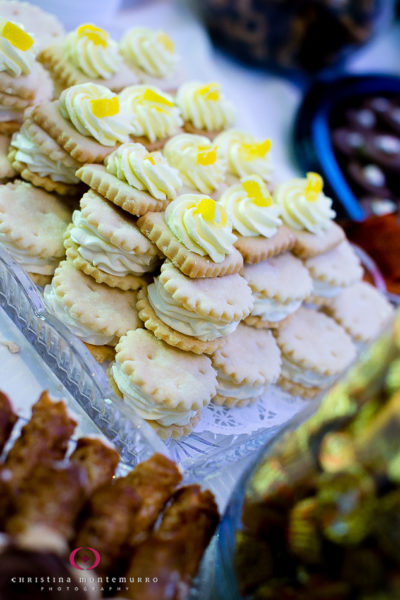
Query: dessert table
x,y
266,106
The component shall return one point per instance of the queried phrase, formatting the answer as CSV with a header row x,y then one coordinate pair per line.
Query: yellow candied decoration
x,y
206,156
17,36
314,186
166,41
210,92
105,107
211,212
151,96
255,192
95,34
256,150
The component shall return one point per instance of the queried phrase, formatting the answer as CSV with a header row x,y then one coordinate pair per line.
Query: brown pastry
x,y
172,554
7,420
43,440
98,459
154,481
48,503
107,521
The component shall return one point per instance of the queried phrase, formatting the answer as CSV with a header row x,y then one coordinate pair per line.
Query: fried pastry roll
x,y
7,420
98,459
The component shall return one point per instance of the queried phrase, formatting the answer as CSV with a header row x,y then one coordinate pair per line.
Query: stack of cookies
x,y
187,265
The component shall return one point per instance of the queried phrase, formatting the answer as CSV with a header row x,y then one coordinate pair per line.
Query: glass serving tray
x,y
201,454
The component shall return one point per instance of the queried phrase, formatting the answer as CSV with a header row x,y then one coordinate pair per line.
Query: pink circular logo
x,y
92,557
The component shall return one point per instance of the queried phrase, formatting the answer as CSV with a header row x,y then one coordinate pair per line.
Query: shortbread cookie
x,y
362,311
315,351
162,384
245,156
215,237
103,354
154,118
296,389
203,309
88,54
306,210
246,364
45,27
256,220
259,323
105,243
152,54
197,162
333,271
279,285
40,280
41,161
204,108
32,225
167,334
87,122
96,313
7,171
130,199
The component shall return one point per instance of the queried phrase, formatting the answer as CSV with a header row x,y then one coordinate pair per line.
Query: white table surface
x,y
266,106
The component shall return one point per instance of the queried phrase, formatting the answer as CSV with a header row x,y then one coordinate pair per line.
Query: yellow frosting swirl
x,y
197,161
91,50
150,50
17,48
205,106
153,112
251,209
304,205
95,112
245,155
202,225
148,171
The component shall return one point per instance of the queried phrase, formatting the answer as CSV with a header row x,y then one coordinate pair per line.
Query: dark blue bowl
x,y
313,146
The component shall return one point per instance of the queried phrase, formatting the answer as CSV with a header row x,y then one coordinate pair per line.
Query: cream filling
x,y
144,405
58,308
38,162
225,387
272,310
306,377
32,264
104,255
185,321
325,289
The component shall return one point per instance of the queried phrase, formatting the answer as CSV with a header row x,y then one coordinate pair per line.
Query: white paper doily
x,y
275,407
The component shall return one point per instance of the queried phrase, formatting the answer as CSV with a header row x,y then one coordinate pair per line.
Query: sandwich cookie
x,y
194,314
40,160
87,122
88,54
7,171
198,164
333,271
196,235
307,211
134,179
245,156
23,81
205,109
362,311
153,116
105,243
97,314
279,285
165,386
32,225
256,220
315,352
247,363
45,27
152,54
